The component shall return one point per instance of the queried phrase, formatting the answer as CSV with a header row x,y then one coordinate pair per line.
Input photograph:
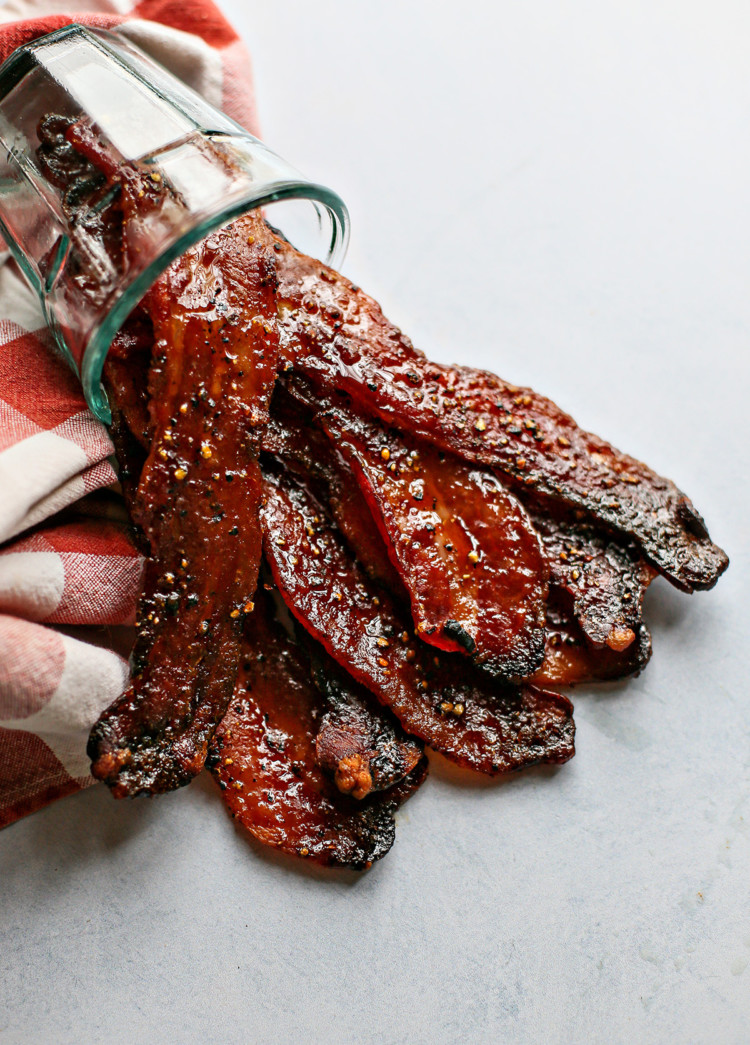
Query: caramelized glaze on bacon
x,y
293,438
569,658
464,546
461,712
211,375
264,758
358,741
384,478
606,578
338,338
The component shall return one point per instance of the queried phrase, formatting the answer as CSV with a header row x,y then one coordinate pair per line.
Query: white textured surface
x,y
560,191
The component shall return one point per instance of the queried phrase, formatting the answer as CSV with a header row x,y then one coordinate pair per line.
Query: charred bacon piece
x,y
570,659
359,742
293,437
464,546
263,756
338,338
212,371
607,578
472,719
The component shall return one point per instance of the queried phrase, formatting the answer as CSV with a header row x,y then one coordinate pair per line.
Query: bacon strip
x,y
212,372
606,578
293,437
307,761
463,545
264,759
461,712
339,339
570,659
359,742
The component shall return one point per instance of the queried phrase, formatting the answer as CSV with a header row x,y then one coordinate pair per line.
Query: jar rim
x,y
84,328
102,336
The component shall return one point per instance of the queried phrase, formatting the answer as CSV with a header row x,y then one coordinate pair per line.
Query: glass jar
x,y
176,166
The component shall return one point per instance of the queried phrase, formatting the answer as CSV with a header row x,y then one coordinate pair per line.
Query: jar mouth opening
x,y
333,220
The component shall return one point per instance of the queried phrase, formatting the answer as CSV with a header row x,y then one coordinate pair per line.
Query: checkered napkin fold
x,y
69,576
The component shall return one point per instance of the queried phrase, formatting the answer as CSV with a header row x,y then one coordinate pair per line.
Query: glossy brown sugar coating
x,y
469,717
212,369
464,546
447,543
265,760
339,339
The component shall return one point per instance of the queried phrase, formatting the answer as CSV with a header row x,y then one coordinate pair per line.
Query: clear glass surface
x,y
145,124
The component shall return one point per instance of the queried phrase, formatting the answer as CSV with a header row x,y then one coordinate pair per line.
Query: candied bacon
x,y
211,375
570,659
464,546
607,578
338,338
358,741
292,437
263,756
471,718
306,758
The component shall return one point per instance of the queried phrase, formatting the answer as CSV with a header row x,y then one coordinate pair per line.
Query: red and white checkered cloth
x,y
69,576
